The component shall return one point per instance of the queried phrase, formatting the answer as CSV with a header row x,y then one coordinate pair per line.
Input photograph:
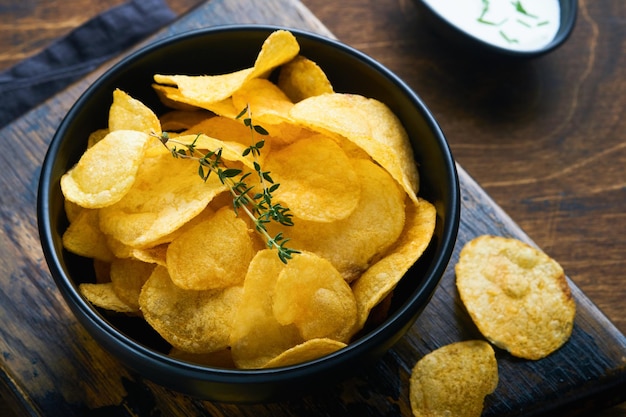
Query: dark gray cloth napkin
x,y
33,80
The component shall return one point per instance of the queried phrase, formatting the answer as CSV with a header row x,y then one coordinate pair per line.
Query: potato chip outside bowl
x,y
220,50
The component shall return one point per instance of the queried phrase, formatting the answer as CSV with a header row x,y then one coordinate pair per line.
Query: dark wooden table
x,y
546,138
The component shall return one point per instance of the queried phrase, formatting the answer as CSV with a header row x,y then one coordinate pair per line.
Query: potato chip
x,y
163,241
302,78
517,296
454,380
381,278
311,294
267,103
317,180
354,243
103,296
71,210
167,194
83,237
306,351
96,136
223,128
234,134
172,98
127,113
107,170
257,337
155,255
193,321
204,90
181,120
279,48
286,133
119,249
214,254
368,123
231,151
128,277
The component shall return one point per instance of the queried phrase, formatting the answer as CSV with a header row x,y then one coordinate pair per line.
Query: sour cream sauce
x,y
522,25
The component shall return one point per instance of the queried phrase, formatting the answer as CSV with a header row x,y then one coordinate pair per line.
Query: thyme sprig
x,y
259,206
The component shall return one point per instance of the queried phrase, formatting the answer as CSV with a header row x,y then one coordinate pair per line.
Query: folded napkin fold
x,y
33,80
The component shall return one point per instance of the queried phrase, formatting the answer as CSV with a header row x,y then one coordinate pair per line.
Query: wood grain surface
x,y
545,138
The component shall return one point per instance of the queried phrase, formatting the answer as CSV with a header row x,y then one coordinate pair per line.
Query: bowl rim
x,y
355,350
568,16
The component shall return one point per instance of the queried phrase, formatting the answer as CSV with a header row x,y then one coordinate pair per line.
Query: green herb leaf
x,y
520,8
231,172
260,130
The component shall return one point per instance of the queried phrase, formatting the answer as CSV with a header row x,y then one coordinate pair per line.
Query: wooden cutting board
x,y
51,366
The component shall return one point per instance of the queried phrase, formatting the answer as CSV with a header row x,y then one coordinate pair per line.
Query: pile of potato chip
x,y
169,247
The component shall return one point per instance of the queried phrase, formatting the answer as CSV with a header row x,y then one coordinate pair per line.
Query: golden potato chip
x,y
454,380
172,98
517,296
311,294
107,170
231,151
279,48
103,296
128,113
83,237
163,241
167,194
155,255
286,133
353,244
204,90
222,128
214,254
96,136
224,108
317,181
119,249
306,351
71,210
302,78
128,277
368,123
267,103
381,278
193,321
180,120
257,337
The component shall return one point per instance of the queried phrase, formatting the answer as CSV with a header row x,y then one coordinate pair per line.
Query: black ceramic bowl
x,y
225,49
474,44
